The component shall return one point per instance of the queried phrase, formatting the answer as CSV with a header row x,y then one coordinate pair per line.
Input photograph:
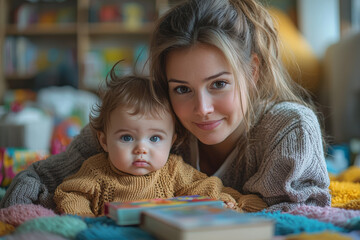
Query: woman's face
x,y
203,93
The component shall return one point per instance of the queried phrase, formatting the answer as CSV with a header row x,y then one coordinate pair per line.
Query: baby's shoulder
x,y
174,160
175,164
96,164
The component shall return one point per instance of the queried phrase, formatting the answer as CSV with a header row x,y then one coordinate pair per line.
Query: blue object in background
x,y
338,158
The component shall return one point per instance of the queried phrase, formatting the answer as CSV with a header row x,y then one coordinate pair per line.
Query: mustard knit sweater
x,y
98,181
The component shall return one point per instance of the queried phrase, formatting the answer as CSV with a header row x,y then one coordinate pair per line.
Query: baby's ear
x,y
102,140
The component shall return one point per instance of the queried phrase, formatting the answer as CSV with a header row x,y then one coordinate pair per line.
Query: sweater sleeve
x,y
293,169
38,182
80,193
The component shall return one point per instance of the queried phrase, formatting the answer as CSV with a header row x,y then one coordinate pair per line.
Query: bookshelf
x,y
86,36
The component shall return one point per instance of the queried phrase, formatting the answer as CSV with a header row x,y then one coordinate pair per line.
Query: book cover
x,y
205,222
128,213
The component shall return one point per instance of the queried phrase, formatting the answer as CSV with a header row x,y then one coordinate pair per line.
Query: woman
x,y
219,61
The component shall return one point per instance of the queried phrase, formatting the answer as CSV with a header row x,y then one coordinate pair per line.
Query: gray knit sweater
x,y
284,163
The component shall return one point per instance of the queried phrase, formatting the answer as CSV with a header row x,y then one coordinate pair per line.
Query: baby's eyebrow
x,y
158,130
121,130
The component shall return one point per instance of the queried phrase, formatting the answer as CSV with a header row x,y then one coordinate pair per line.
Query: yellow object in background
x,y
6,228
113,55
318,236
133,15
345,195
352,174
298,57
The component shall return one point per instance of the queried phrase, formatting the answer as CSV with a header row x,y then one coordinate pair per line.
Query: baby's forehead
x,y
155,113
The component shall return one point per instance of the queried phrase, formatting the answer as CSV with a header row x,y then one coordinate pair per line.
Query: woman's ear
x,y
102,140
255,63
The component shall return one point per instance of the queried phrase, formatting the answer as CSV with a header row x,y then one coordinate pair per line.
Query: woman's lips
x,y
210,125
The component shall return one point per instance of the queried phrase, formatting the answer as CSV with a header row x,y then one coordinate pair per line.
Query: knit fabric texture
x,y
285,163
98,182
336,216
35,236
6,228
286,223
66,226
345,195
17,214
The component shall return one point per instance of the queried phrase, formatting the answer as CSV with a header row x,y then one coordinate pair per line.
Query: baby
x,y
135,127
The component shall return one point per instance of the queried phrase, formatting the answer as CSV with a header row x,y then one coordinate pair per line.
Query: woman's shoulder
x,y
289,110
287,113
286,116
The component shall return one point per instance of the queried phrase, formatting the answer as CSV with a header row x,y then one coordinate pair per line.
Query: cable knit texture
x,y
284,164
98,181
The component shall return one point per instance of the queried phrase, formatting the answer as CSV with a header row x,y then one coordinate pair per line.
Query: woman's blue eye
x,y
219,84
126,138
182,89
155,138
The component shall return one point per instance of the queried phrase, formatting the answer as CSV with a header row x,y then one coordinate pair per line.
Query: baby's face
x,y
138,144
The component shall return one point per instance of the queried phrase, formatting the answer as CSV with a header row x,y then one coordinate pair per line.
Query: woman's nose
x,y
203,104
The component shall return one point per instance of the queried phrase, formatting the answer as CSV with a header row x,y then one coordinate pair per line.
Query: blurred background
x,y
55,53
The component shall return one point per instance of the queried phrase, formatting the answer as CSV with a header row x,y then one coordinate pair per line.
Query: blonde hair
x,y
242,30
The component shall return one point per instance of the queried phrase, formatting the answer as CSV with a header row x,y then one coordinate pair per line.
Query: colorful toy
x,y
63,134
14,160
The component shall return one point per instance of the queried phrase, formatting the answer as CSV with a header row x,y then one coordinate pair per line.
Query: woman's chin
x,y
210,140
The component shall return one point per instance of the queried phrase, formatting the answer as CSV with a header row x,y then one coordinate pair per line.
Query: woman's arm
x,y
292,170
38,182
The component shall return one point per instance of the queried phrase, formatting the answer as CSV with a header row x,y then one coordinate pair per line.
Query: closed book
x,y
205,222
128,213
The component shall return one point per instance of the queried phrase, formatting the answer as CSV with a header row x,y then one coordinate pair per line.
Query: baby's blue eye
x,y
126,138
155,138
